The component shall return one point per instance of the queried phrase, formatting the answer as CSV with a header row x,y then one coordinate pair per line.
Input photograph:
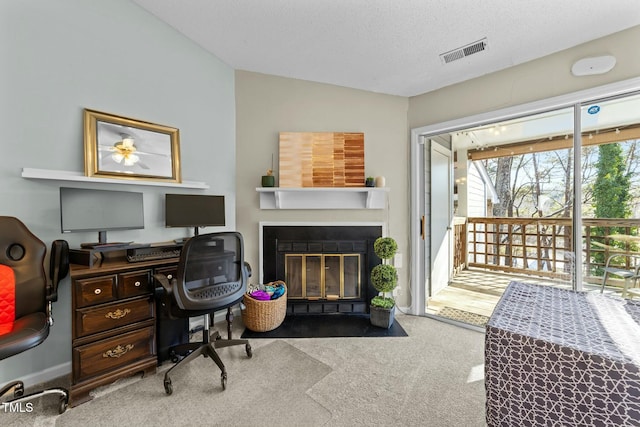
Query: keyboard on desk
x,y
153,253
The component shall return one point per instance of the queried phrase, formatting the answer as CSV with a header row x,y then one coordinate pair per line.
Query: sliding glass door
x,y
513,210
610,130
533,200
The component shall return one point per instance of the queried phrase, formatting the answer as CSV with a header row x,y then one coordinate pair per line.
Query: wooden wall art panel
x,y
321,159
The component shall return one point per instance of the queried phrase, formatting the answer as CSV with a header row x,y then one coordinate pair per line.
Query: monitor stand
x,y
182,240
104,245
102,242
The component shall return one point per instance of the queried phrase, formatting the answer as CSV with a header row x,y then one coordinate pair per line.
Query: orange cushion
x,y
7,299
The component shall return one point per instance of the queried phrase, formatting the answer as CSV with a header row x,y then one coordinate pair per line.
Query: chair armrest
x,y
164,281
247,268
58,267
609,260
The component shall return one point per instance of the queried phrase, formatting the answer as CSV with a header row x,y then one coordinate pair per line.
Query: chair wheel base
x,y
19,390
63,404
15,389
223,380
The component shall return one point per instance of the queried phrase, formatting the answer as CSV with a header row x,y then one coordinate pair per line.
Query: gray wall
x,y
61,56
267,105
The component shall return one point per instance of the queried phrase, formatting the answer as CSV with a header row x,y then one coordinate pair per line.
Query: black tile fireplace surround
x,y
278,241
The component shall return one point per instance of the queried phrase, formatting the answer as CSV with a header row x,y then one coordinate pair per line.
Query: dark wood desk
x,y
113,321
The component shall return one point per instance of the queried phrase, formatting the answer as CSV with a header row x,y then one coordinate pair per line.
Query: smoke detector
x,y
464,51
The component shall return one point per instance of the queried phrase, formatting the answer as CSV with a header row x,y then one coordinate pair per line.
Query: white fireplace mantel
x,y
323,198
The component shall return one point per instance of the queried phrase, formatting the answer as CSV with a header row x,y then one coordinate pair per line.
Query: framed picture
x,y
119,147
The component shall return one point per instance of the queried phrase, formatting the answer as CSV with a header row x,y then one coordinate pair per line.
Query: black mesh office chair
x,y
25,298
212,275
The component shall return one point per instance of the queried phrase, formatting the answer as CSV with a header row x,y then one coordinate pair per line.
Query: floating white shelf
x,y
322,198
80,177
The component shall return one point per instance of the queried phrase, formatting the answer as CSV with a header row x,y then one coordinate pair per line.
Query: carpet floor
x,y
432,377
328,326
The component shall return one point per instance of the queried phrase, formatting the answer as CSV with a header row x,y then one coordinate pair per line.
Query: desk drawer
x,y
112,353
134,283
170,272
92,320
95,290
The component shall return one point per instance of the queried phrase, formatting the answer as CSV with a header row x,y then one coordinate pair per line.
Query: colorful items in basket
x,y
265,292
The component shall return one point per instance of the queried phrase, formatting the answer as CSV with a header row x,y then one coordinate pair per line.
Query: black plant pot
x,y
382,317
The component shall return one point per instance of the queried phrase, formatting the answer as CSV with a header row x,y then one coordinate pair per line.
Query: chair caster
x,y
223,380
168,388
248,350
63,404
18,389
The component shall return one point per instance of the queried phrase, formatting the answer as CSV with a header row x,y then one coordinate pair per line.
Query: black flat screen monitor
x,y
100,210
194,210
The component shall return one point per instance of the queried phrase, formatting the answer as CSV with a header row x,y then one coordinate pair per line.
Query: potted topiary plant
x,y
384,278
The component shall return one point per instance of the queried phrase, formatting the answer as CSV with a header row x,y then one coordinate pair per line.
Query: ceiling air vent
x,y
464,51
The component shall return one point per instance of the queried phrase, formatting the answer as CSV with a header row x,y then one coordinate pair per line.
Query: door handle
x,y
423,222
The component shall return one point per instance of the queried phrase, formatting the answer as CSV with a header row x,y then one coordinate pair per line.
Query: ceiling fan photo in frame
x,y
121,147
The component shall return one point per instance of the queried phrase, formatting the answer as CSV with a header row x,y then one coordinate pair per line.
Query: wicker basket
x,y
263,316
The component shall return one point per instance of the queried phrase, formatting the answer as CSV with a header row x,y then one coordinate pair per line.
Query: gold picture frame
x,y
124,148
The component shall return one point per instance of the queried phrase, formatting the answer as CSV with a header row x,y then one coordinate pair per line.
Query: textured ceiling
x,y
389,46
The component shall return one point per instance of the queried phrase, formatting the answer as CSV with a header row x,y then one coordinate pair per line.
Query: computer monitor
x,y
194,210
84,210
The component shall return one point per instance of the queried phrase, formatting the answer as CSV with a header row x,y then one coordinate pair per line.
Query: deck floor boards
x,y
476,292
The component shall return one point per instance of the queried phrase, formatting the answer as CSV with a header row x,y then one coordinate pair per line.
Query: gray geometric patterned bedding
x,y
554,357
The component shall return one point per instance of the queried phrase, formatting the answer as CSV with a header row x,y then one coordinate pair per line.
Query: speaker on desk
x,y
169,332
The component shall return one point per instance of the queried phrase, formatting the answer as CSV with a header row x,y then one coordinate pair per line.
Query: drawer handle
x,y
118,351
118,314
137,284
97,291
169,276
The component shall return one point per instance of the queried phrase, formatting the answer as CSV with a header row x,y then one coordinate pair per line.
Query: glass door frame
x,y
420,273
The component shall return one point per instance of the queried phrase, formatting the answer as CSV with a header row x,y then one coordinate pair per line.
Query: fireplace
x,y
326,267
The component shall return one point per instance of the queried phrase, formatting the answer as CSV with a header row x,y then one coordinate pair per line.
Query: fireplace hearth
x,y
326,267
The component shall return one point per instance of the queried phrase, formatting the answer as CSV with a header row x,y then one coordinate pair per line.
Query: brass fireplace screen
x,y
322,276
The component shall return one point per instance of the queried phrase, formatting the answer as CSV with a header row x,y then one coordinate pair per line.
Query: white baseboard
x,y
46,374
406,310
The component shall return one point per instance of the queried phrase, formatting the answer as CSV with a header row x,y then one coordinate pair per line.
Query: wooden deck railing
x,y
460,244
543,246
